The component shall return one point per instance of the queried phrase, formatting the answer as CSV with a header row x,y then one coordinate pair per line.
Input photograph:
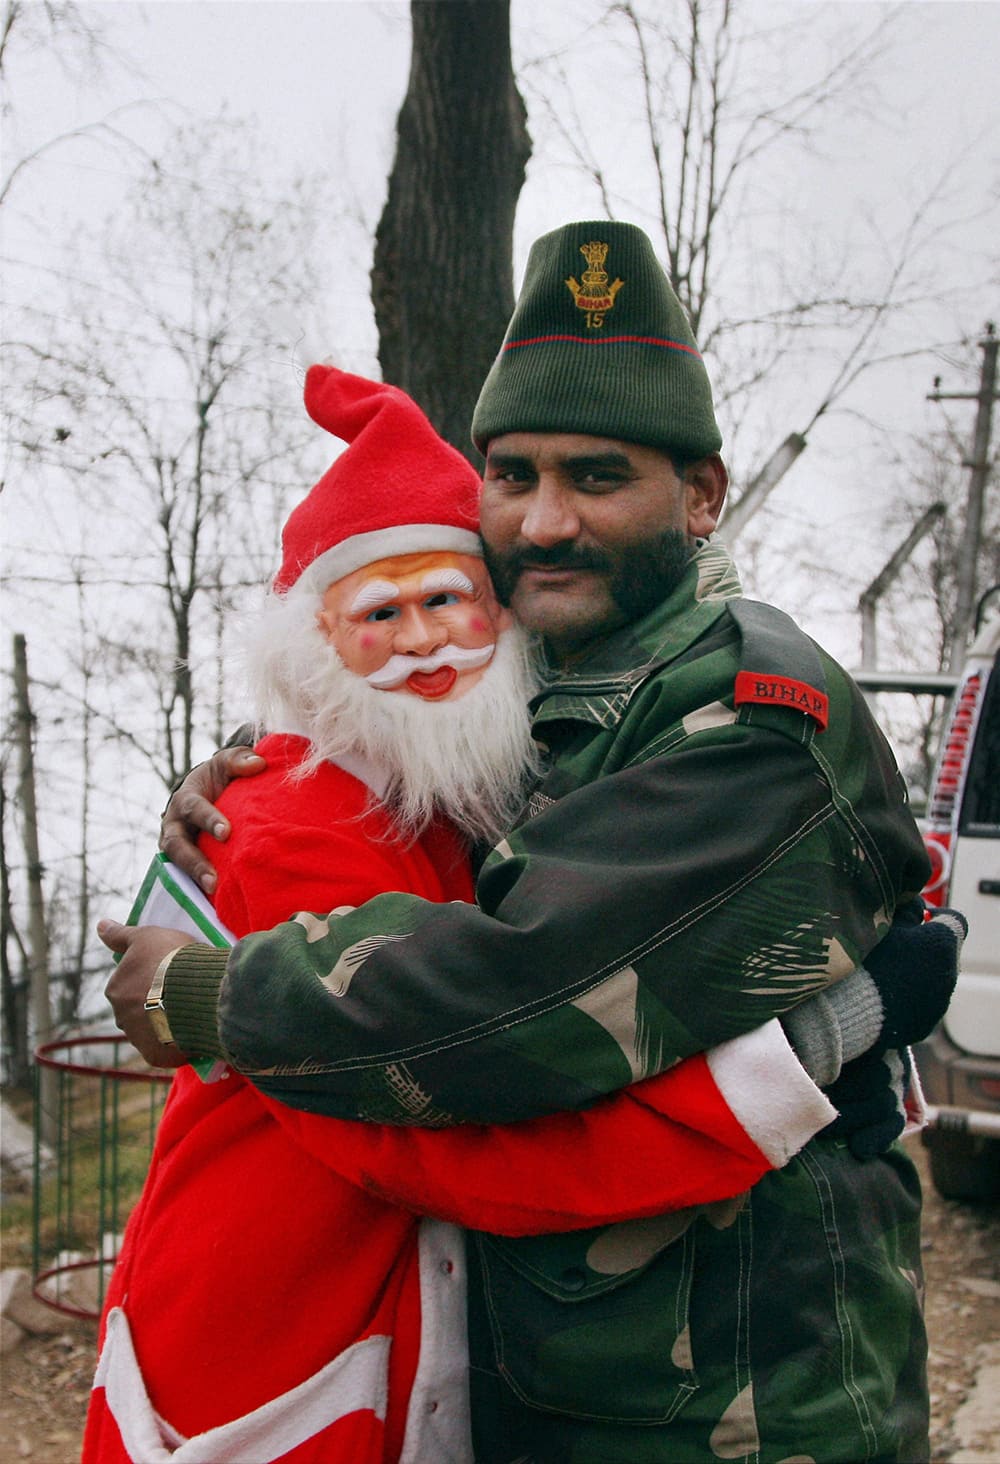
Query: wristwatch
x,y
155,1010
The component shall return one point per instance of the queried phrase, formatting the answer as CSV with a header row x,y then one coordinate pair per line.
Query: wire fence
x,y
93,1139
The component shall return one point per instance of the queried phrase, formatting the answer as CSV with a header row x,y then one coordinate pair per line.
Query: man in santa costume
x,y
277,1295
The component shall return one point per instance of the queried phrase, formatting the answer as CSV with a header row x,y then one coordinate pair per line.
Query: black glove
x,y
914,969
869,1097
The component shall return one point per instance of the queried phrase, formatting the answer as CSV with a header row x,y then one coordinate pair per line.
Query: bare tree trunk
x,y
442,279
13,991
38,936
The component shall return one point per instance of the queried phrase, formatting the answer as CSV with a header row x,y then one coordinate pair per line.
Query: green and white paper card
x,y
168,897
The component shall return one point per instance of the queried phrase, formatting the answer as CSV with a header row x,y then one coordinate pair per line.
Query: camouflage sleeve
x,y
639,919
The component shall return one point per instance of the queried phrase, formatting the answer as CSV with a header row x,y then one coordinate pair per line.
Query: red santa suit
x,y
277,1294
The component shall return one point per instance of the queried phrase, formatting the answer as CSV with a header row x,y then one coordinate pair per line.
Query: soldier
x,y
718,833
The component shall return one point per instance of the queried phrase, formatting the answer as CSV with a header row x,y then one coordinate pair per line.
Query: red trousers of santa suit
x,y
278,1295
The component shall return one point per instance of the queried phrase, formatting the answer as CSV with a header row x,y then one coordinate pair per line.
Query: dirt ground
x,y
46,1381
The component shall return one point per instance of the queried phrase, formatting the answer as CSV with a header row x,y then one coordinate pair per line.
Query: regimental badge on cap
x,y
593,294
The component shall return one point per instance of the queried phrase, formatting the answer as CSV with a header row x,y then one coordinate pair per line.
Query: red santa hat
x,y
398,489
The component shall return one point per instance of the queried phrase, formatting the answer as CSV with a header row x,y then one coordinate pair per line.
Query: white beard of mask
x,y
470,758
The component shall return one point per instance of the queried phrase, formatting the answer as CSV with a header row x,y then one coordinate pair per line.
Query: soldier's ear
x,y
706,482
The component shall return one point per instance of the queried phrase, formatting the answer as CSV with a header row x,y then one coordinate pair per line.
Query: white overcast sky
x,y
325,80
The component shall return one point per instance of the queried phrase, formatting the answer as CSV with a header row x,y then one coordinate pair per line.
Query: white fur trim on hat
x,y
362,549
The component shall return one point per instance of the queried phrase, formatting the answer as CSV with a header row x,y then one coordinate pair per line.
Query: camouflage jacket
x,y
719,832
696,859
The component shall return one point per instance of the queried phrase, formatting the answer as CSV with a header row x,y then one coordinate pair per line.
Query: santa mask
x,y
423,625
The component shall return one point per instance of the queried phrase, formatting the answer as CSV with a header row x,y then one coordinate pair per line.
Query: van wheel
x,y
964,1166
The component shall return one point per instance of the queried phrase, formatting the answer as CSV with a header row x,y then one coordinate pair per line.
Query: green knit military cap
x,y
599,344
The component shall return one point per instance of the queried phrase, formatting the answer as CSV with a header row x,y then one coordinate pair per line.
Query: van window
x,y
981,804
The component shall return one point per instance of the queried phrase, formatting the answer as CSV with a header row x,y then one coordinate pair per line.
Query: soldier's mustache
x,y
559,556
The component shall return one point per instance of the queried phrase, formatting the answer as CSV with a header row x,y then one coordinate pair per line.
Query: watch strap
x,y
155,1010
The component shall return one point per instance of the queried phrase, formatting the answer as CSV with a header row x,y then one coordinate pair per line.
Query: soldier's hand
x,y
142,948
191,811
870,1099
914,969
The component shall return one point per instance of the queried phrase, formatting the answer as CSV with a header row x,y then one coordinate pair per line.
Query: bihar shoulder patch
x,y
782,691
788,670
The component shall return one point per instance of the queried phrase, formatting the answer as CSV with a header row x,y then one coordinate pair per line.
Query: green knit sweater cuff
x,y
191,998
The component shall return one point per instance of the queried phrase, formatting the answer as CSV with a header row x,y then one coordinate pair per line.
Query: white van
x,y
959,1064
